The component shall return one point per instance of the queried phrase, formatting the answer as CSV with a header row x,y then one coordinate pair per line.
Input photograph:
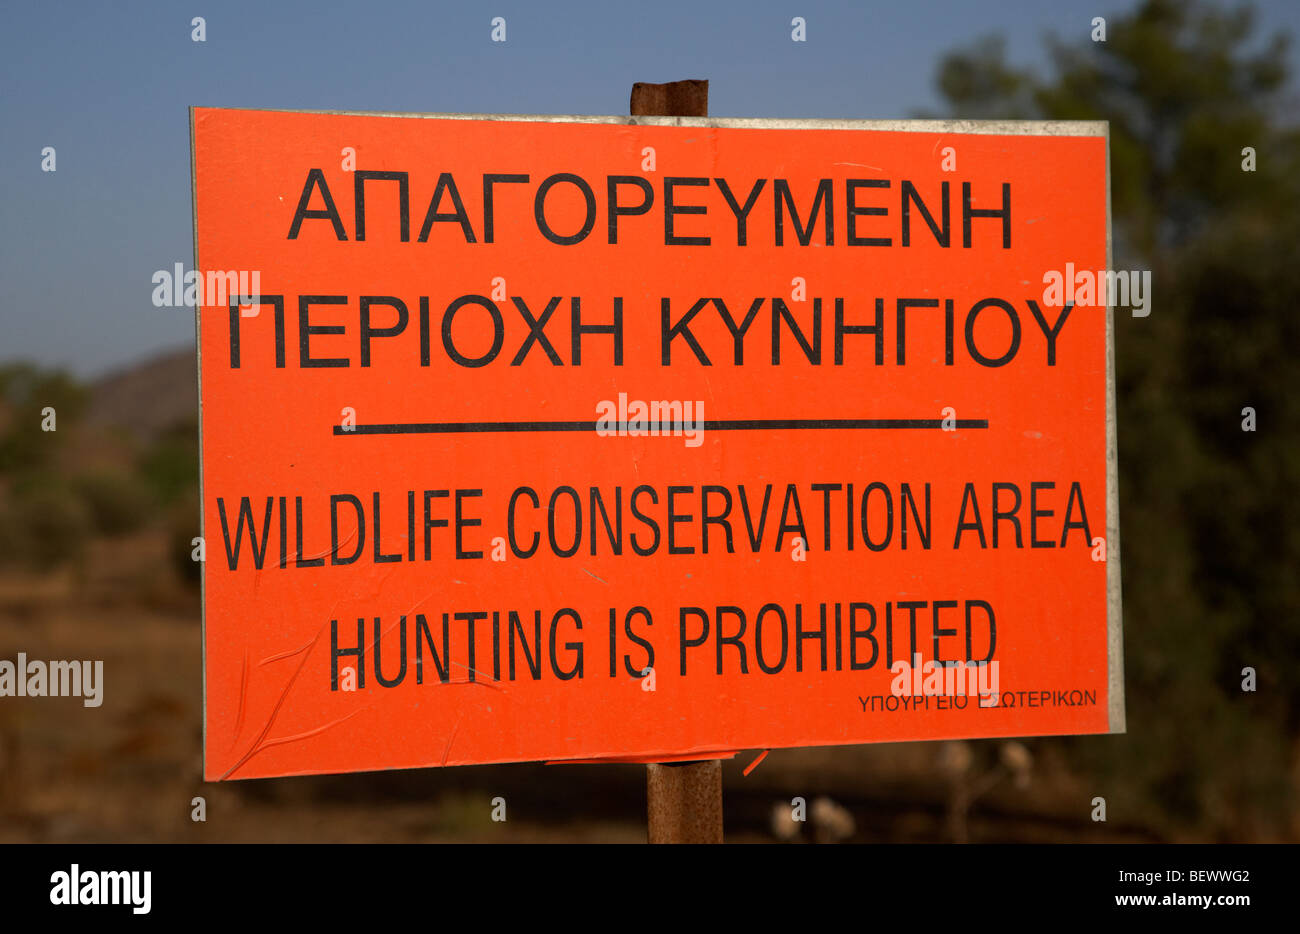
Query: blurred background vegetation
x,y
1211,567
1208,514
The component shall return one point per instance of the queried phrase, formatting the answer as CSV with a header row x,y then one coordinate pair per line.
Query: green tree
x,y
1209,530
26,391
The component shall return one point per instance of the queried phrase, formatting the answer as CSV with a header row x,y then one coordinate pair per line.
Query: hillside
x,y
147,397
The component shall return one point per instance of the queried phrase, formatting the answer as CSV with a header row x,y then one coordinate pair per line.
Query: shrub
x,y
117,502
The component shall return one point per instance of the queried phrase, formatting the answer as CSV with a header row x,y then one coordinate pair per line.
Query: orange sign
x,y
577,438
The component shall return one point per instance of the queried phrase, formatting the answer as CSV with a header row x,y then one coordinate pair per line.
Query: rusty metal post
x,y
683,799
674,99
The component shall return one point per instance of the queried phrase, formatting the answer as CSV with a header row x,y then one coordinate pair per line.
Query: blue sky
x,y
108,85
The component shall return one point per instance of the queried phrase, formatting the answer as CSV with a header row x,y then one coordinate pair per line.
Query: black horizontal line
x,y
725,424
